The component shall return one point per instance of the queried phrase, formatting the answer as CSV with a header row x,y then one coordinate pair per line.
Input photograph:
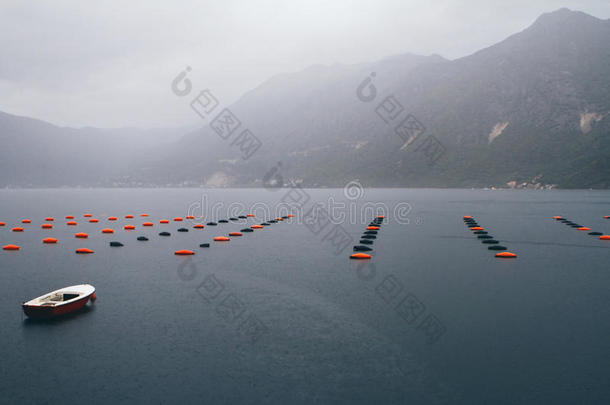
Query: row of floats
x,y
581,228
186,252
487,239
367,239
83,235
90,219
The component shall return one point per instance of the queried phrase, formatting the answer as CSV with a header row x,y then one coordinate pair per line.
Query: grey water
x,y
278,316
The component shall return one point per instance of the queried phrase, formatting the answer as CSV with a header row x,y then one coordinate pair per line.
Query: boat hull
x,y
46,312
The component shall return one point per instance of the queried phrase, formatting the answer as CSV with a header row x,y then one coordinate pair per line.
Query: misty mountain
x,y
35,153
532,108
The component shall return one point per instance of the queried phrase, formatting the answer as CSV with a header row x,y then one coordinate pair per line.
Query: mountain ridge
x,y
534,106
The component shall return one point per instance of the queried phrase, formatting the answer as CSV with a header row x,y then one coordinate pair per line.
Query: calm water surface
x,y
277,317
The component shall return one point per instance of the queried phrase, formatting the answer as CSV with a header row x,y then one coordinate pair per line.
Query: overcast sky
x,y
110,63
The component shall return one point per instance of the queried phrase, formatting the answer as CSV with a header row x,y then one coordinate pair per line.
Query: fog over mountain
x,y
534,108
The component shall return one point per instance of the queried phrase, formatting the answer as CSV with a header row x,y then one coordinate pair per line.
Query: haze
x,y
110,63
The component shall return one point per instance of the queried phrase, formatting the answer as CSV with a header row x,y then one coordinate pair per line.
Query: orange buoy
x,y
256,227
26,221
93,297
279,219
17,229
477,228
290,215
50,219
2,224
147,224
143,215
189,217
380,216
605,237
107,230
467,217
83,250
129,227
235,234
607,216
164,221
129,216
71,223
93,220
46,226
49,240
112,218
250,215
221,239
184,252
10,247
507,255
178,219
81,235
198,226
584,228
69,216
360,256
372,228
557,217
87,215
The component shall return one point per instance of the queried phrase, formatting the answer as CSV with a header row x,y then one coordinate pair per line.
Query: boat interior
x,y
56,298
